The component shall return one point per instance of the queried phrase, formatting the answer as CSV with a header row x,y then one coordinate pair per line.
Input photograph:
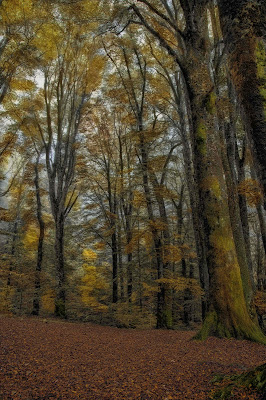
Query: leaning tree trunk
x,y
243,24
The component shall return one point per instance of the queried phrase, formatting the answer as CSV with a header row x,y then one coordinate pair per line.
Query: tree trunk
x,y
167,294
228,315
114,267
36,299
60,303
235,218
164,308
243,24
193,197
120,264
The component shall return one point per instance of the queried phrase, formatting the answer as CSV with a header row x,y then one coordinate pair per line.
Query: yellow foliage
x,y
94,74
30,240
15,11
138,199
92,283
69,200
22,84
133,316
158,224
149,289
250,188
171,253
83,9
89,255
6,295
48,301
6,215
99,246
48,39
166,193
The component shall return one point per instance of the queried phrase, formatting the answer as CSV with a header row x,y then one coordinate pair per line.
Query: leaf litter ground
x,y
61,360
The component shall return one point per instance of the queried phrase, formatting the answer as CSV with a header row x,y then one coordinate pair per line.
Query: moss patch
x,y
254,379
260,55
201,137
211,102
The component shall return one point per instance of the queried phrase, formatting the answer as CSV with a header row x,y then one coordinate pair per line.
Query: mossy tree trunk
x,y
236,223
243,24
228,314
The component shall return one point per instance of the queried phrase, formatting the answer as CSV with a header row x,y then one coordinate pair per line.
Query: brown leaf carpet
x,y
62,360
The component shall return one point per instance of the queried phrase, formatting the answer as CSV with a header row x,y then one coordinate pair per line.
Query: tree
x,y
243,25
71,68
193,41
36,300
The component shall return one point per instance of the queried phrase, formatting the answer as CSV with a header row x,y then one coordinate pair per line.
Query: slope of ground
x,y
63,361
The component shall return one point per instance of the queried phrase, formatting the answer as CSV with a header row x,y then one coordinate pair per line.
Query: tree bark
x,y
243,24
60,303
36,299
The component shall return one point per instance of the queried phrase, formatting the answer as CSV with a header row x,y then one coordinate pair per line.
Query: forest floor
x,y
41,360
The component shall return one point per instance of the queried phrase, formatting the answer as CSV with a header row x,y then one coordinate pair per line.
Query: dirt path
x,y
61,360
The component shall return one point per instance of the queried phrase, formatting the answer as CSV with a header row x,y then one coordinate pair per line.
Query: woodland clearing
x,y
53,359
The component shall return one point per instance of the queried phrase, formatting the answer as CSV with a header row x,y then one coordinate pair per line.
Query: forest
x,y
133,165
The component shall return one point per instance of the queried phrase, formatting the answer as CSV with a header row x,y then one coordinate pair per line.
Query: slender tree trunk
x,y
36,299
120,264
60,303
129,271
165,242
164,309
115,267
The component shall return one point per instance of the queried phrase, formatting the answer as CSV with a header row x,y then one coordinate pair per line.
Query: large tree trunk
x,y
243,24
236,222
196,218
228,315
